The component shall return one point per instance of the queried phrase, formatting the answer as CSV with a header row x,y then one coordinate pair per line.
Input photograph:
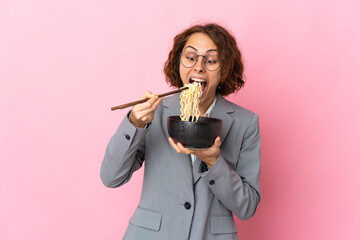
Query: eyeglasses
x,y
188,59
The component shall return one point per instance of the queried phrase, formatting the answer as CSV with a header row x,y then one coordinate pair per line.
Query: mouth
x,y
201,81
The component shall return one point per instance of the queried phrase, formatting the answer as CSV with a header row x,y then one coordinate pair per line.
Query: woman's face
x,y
201,44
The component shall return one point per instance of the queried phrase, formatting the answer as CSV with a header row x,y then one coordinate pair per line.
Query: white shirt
x,y
207,114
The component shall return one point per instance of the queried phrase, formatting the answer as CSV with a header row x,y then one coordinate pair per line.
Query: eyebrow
x,y
197,50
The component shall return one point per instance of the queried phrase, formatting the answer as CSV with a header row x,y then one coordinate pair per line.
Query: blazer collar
x,y
222,111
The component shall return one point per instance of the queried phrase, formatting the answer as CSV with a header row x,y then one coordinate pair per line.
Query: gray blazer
x,y
179,201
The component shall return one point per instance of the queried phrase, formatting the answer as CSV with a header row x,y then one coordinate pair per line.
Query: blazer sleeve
x,y
124,154
239,190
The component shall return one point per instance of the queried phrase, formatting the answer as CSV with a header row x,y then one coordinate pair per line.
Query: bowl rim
x,y
207,119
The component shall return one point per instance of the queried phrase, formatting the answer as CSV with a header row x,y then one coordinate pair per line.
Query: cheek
x,y
216,78
183,73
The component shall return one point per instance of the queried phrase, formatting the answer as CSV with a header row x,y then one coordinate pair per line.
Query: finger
x,y
148,94
173,144
158,101
144,96
146,105
151,100
154,101
145,119
150,106
183,149
145,114
217,143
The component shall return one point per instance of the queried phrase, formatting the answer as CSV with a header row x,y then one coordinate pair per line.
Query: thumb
x,y
217,142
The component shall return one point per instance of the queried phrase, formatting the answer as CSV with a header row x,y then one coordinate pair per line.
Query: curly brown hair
x,y
231,64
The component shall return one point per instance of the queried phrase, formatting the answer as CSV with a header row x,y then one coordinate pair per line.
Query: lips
x,y
199,80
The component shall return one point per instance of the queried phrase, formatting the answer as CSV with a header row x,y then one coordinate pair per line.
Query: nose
x,y
199,66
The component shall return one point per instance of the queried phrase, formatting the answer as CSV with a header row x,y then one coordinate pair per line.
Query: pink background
x,y
63,64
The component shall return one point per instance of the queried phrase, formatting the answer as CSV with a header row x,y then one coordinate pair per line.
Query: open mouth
x,y
201,81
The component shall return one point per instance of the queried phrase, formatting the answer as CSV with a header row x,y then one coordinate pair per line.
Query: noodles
x,y
189,101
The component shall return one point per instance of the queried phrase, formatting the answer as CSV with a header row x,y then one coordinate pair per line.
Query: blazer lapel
x,y
171,107
196,167
221,111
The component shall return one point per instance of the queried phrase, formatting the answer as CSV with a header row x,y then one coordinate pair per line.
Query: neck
x,y
204,106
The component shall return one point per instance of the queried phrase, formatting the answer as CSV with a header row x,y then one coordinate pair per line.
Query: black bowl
x,y
200,134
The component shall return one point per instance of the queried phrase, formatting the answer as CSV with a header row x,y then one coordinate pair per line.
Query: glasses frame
x,y
197,59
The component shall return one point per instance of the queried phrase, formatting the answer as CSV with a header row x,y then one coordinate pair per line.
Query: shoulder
x,y
238,113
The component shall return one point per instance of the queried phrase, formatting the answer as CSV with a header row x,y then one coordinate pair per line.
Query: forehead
x,y
201,42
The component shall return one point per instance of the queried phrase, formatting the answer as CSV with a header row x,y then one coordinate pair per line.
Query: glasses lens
x,y
188,59
211,62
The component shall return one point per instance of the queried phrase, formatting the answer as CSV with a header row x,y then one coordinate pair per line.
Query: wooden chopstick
x,y
144,100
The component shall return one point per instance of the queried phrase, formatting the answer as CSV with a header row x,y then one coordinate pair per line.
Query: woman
x,y
189,193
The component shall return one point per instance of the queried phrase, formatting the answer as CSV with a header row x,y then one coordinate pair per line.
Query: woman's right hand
x,y
143,113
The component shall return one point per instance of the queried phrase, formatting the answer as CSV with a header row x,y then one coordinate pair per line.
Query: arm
x,y
239,190
125,152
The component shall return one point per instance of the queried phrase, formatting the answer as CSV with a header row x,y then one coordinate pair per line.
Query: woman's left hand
x,y
207,155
